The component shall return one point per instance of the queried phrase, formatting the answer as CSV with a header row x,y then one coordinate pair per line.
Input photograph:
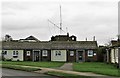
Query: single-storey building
x,y
60,48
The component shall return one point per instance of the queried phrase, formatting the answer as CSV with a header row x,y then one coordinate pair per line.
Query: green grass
x,y
37,64
64,75
97,67
19,68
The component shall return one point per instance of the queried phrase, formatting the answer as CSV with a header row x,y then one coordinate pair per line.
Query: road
x,y
10,73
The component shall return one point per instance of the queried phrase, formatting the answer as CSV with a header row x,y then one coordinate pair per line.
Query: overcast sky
x,y
82,18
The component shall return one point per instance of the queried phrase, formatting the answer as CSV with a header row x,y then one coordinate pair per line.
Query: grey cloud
x,y
14,5
85,23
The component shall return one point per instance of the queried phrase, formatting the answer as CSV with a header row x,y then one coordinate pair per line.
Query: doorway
x,y
36,55
80,56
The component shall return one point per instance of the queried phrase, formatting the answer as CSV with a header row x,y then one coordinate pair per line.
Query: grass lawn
x,y
64,75
37,64
97,67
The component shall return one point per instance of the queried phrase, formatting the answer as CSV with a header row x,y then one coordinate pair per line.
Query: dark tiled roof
x,y
26,45
30,38
114,42
50,45
117,44
74,44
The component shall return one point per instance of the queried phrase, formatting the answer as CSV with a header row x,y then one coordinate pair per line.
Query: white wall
x,y
114,55
9,55
62,57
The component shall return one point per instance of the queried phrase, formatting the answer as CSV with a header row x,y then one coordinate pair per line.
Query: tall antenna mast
x,y
60,20
56,25
59,27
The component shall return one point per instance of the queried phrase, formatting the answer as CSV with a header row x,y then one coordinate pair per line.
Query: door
x,y
80,56
37,56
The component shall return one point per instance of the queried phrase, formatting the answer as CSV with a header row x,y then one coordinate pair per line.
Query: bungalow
x,y
60,48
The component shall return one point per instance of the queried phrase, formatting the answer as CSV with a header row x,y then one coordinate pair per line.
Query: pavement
x,y
67,66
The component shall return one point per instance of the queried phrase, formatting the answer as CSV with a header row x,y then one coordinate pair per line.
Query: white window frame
x,y
44,53
15,53
95,54
71,53
90,53
28,53
4,52
73,38
57,53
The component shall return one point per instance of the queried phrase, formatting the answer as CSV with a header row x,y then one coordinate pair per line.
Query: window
x,y
15,53
71,53
90,53
58,53
72,38
94,54
4,52
44,53
28,53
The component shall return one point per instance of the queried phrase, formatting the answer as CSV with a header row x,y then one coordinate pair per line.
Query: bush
x,y
116,65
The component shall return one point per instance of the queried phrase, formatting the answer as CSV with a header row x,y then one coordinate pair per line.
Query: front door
x,y
37,56
80,56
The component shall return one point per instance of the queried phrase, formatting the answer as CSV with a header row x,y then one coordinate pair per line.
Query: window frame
x,y
71,53
4,52
15,53
58,53
73,38
90,53
28,53
44,53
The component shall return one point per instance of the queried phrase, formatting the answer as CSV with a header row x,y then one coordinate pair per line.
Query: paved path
x,y
67,66
44,70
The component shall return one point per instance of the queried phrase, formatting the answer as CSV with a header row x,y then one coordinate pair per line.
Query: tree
x,y
8,38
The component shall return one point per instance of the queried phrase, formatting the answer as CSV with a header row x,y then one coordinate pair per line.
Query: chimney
x,y
94,38
67,34
86,39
